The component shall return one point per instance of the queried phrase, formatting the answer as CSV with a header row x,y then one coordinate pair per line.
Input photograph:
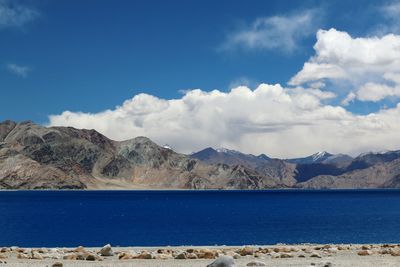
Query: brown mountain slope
x,y
36,157
32,157
380,175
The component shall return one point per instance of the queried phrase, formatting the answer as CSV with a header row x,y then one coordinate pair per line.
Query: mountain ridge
x,y
38,157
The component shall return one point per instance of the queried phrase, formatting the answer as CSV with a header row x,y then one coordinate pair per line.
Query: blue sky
x,y
91,56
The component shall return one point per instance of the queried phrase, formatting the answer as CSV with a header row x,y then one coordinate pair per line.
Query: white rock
x,y
223,261
106,251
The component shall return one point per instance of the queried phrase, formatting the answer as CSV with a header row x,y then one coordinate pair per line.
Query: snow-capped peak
x,y
320,155
225,150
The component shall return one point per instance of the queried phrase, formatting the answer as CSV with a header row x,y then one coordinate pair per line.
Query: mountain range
x,y
37,157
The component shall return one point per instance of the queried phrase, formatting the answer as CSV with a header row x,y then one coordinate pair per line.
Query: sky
x,y
284,78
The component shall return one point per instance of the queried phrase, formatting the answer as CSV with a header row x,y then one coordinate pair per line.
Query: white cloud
x,y
270,119
21,71
364,63
390,12
376,92
14,14
277,32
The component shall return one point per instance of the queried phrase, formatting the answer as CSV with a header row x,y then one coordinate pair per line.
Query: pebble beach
x,y
306,255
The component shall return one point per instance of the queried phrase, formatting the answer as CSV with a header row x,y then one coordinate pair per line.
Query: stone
x,y
80,249
57,264
256,263
283,249
223,261
192,256
163,256
125,256
366,247
327,264
394,252
3,256
315,255
42,250
275,255
106,251
207,254
384,251
36,255
81,256
70,256
364,253
181,256
246,251
90,257
22,256
286,255
144,255
236,256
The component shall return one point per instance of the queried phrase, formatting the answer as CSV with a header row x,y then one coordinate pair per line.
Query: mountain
x,y
367,160
323,157
229,157
37,157
278,170
380,175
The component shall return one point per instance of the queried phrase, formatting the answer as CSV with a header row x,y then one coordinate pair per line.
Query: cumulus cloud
x,y
280,121
270,119
14,14
21,71
375,92
365,63
277,32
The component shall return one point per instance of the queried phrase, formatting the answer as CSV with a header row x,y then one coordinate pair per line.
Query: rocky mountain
x,y
229,157
37,157
281,172
368,170
323,157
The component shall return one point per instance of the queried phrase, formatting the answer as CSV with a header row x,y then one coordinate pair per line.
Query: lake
x,y
158,218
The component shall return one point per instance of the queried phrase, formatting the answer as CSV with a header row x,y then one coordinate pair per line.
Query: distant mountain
x,y
278,170
369,159
36,157
229,157
323,157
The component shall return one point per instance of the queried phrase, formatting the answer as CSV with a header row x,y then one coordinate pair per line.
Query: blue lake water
x,y
155,218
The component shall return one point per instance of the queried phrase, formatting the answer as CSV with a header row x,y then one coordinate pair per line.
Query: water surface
x,y
155,218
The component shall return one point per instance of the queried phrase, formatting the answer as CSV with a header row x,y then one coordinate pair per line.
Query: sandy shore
x,y
278,256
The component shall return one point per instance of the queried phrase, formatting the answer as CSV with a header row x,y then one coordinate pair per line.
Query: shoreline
x,y
203,190
195,256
